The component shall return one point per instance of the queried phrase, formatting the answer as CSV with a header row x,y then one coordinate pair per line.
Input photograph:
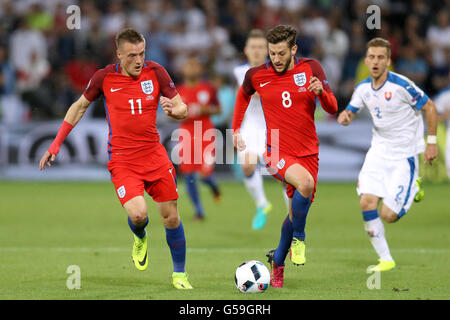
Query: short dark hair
x,y
282,33
380,42
129,35
256,33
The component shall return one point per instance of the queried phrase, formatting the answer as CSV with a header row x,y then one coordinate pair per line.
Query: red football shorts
x,y
277,168
131,181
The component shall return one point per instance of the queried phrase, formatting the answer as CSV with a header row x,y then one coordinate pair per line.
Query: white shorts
x,y
392,180
254,135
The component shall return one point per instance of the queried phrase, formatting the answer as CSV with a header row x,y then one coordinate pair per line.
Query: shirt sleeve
x,y
166,84
241,105
356,102
327,99
247,85
414,96
94,89
318,72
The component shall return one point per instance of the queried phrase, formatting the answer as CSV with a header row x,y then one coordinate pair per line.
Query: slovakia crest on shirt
x,y
388,95
300,79
147,86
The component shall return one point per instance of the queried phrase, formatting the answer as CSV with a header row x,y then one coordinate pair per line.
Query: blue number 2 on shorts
x,y
397,197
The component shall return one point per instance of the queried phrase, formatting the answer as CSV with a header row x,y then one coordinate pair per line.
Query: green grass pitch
x,y
46,227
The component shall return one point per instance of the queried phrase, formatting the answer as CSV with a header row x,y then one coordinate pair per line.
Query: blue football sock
x,y
285,242
211,182
370,215
138,231
300,207
177,244
191,186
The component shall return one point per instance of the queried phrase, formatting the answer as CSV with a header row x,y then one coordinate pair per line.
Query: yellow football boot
x,y
297,252
180,281
384,265
139,253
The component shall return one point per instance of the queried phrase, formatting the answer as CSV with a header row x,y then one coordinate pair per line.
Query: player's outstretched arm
x,y
431,151
174,108
73,115
241,105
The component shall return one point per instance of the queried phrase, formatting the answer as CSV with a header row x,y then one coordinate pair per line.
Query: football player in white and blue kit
x,y
253,130
390,170
442,101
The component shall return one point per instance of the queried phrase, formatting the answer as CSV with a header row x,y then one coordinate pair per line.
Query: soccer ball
x,y
252,277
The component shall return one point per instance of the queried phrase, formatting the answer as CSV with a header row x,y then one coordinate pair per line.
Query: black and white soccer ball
x,y
252,277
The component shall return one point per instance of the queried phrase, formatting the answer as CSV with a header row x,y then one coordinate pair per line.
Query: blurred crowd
x,y
45,66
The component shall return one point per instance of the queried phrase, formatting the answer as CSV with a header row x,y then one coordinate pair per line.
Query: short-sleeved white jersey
x,y
398,130
442,102
254,113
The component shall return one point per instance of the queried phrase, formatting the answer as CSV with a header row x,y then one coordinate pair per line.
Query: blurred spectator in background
x,y
23,43
438,37
31,86
351,62
35,35
411,65
156,44
115,18
226,96
7,74
80,70
11,108
39,19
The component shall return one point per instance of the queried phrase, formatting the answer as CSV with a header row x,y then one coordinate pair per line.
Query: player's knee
x,y
248,169
306,188
367,203
171,219
139,217
169,214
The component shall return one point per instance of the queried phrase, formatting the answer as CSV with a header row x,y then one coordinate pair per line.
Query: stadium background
x,y
47,226
45,66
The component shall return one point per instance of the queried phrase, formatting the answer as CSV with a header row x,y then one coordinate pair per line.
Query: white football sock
x,y
286,198
255,187
375,230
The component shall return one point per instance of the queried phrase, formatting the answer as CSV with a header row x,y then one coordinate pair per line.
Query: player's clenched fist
x,y
344,118
166,105
174,108
315,85
431,153
239,142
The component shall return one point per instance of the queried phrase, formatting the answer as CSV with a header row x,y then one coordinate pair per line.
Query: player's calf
x,y
169,213
388,215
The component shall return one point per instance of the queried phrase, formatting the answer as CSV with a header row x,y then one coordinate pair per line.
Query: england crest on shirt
x,y
147,86
300,79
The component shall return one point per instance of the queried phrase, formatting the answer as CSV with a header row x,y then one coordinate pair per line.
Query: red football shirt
x,y
202,94
131,105
287,104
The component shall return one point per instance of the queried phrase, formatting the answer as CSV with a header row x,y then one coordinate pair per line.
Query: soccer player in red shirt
x,y
288,87
131,91
197,132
